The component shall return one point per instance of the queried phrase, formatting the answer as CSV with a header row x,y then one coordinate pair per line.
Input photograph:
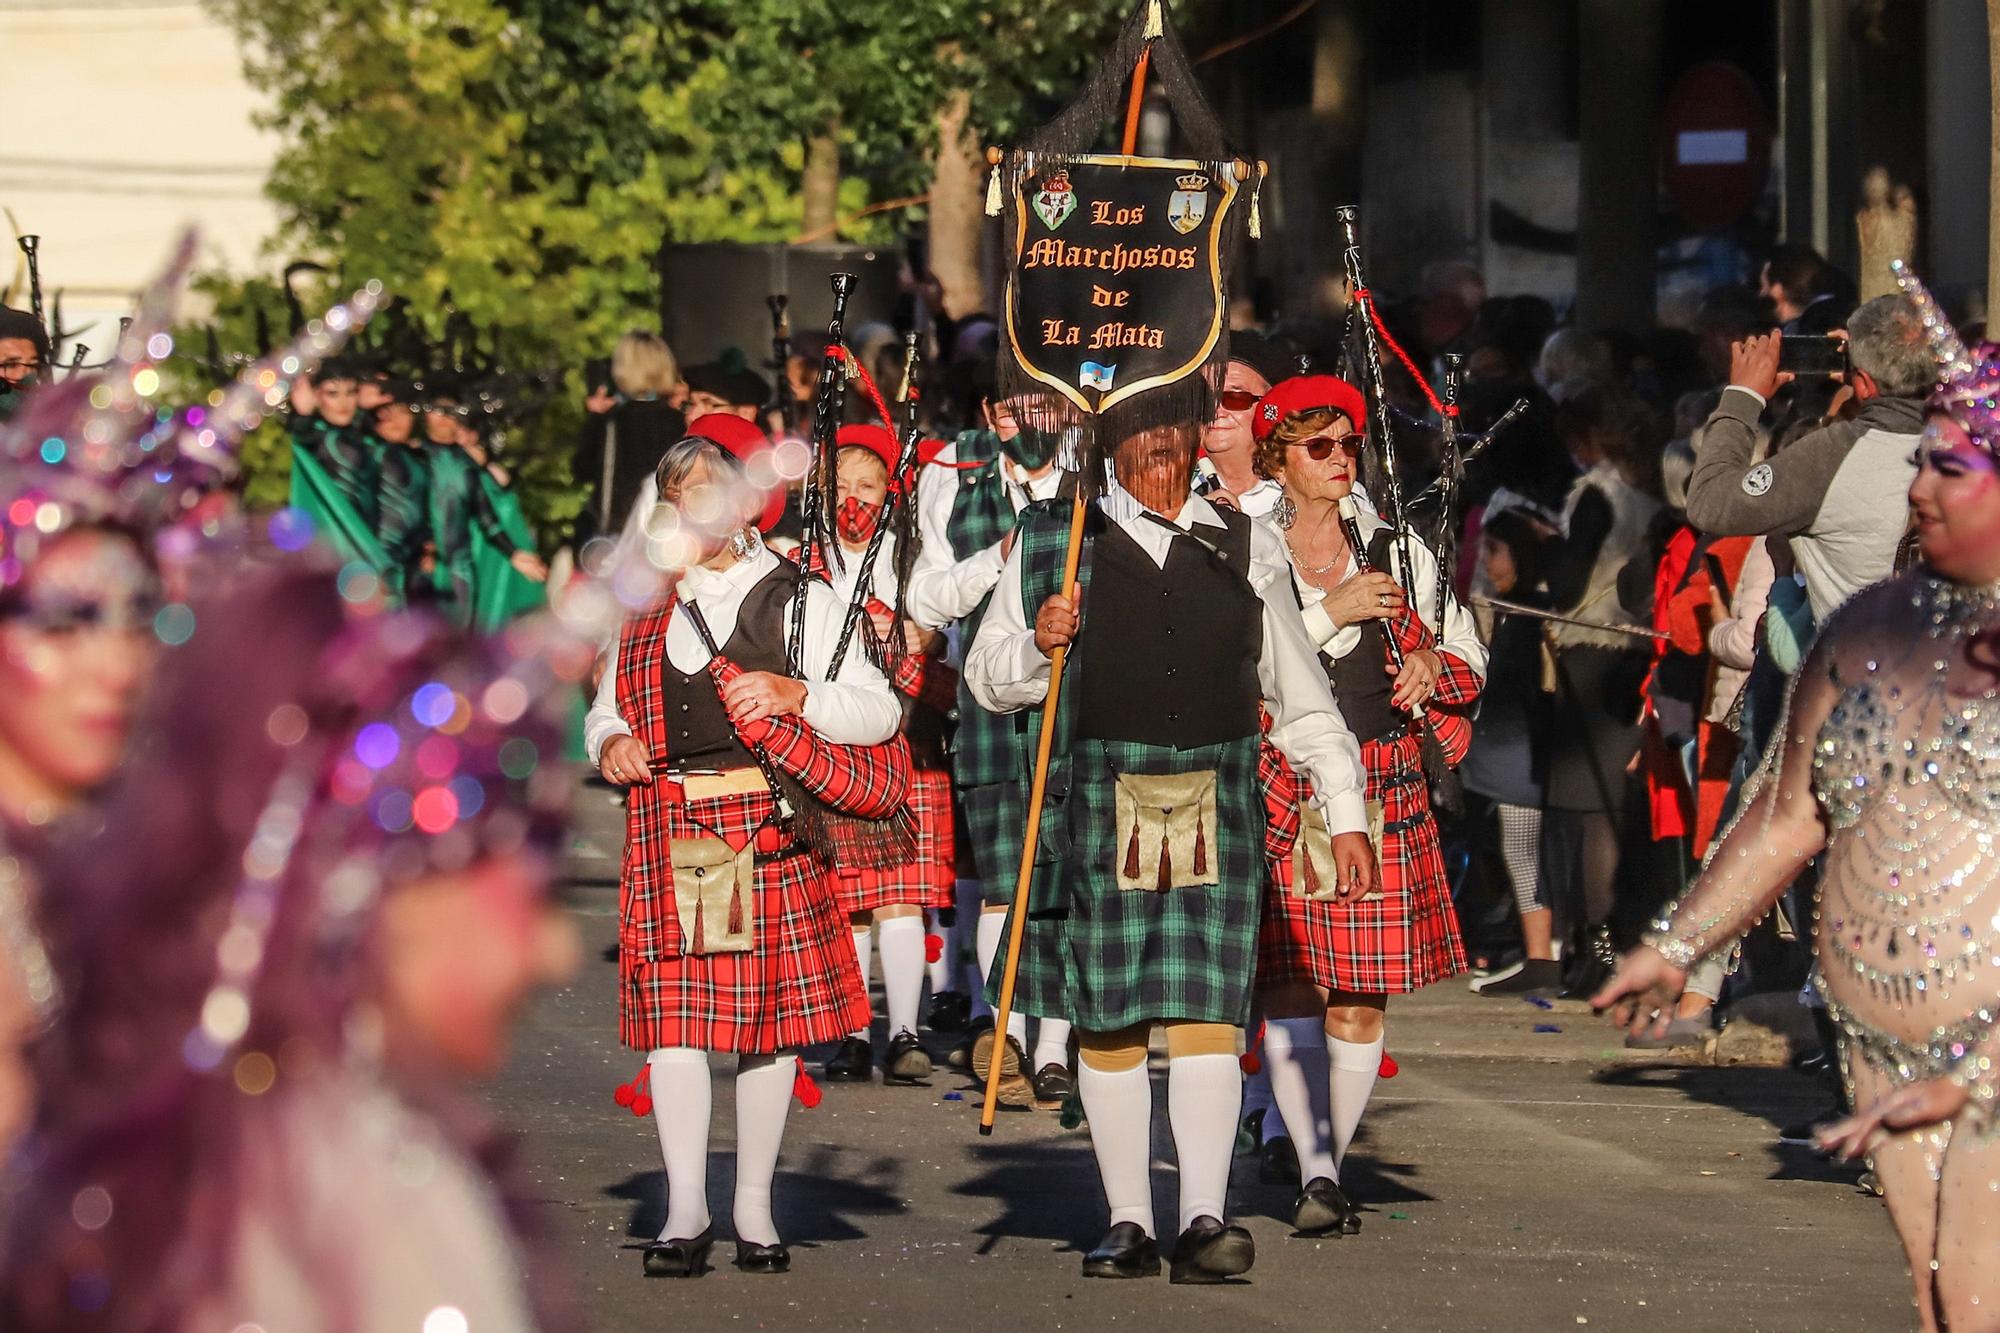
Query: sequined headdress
x,y
1968,377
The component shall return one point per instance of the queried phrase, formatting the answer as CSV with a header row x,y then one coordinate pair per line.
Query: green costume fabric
x,y
500,592
403,525
346,460
1107,957
316,495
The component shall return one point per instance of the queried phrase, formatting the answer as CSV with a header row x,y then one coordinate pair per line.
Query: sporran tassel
x,y
1200,848
736,911
1166,864
1132,855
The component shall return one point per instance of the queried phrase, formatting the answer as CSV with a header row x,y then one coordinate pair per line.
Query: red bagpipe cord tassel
x,y
804,1088
1132,855
1389,1067
1200,848
933,947
637,1095
1252,1058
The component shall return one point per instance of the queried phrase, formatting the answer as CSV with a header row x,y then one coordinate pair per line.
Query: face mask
x,y
1032,449
856,518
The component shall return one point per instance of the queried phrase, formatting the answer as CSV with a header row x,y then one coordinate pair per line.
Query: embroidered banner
x,y
1117,282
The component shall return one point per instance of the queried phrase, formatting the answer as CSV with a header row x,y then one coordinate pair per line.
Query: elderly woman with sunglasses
x,y
1327,959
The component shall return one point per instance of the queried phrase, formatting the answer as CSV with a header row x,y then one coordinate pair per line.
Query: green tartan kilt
x,y
996,818
1109,958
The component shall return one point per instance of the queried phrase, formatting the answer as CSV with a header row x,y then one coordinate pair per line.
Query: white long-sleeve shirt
x,y
944,588
1007,672
859,709
1456,633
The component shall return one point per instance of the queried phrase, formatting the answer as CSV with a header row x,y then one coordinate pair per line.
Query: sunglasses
x,y
1320,447
1239,400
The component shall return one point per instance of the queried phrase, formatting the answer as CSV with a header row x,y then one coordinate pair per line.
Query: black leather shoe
x,y
1125,1251
1279,1162
951,1010
680,1258
763,1258
1321,1209
906,1060
961,1054
1053,1083
853,1062
1208,1251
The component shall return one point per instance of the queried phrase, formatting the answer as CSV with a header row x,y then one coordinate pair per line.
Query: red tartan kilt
x,y
797,985
1402,940
929,879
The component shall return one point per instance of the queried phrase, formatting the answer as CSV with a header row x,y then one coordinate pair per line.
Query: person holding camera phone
x,y
1835,491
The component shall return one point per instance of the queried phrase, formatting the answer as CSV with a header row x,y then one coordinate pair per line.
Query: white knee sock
x,y
862,936
941,973
992,933
901,941
1051,1043
678,1077
1355,1065
1120,1109
1204,1094
1295,1060
763,1100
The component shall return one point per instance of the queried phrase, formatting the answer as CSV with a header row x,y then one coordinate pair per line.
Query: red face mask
x,y
856,519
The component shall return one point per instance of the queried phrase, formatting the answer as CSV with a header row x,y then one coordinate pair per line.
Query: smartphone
x,y
1813,355
1713,564
597,374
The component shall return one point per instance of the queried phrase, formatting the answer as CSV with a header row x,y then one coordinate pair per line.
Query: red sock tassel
x,y
637,1096
804,1088
1200,848
933,948
1132,855
1252,1058
1389,1068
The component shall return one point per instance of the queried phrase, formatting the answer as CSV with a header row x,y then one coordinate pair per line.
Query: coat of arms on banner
x,y
1055,201
1187,208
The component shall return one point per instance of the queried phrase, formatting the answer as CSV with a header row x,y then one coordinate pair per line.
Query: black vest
x,y
1169,656
698,731
1362,686
1361,681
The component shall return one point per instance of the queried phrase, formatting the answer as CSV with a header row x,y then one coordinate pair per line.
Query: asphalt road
x,y
1522,1173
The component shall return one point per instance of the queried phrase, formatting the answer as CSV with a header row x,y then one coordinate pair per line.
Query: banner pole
x,y
1038,789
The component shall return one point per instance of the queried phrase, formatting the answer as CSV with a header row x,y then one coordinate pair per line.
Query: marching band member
x,y
729,939
1329,958
1187,622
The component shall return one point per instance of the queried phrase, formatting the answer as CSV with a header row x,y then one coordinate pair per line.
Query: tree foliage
x,y
520,162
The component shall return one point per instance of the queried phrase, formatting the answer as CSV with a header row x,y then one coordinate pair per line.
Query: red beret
x,y
1308,393
742,439
875,439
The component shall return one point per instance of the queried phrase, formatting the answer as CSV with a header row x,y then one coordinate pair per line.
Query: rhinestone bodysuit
x,y
1907,768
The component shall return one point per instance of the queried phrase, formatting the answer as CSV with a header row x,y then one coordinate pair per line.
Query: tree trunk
x,y
1618,196
820,189
1993,159
958,209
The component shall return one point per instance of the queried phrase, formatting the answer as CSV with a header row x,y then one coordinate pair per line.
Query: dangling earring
x,y
742,544
1285,512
